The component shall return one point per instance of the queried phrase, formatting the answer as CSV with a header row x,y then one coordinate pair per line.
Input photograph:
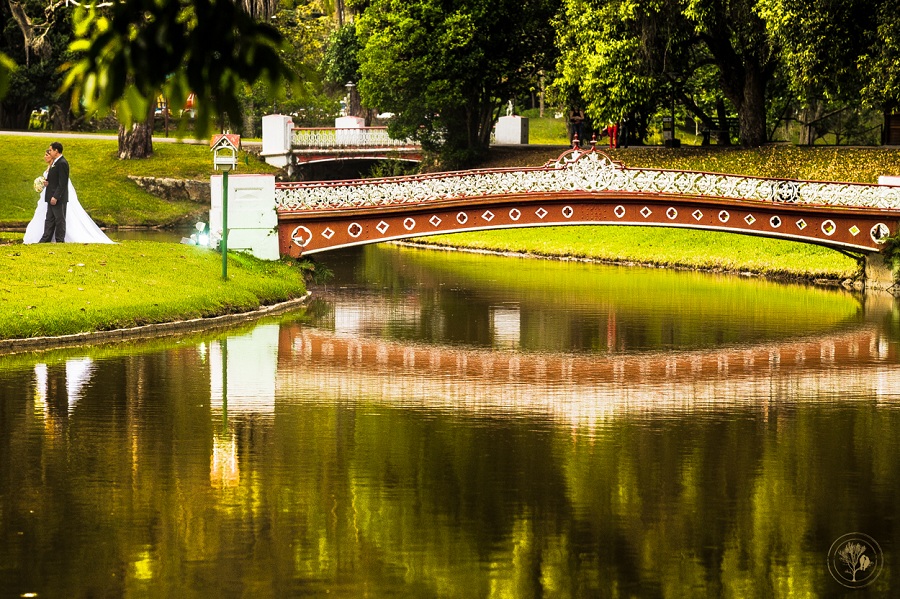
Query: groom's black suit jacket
x,y
58,181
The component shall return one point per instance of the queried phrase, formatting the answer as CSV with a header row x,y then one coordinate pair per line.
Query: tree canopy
x,y
446,68
130,53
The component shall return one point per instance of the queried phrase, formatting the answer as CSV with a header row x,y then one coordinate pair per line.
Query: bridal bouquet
x,y
39,184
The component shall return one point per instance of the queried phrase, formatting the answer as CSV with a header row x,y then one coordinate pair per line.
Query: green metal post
x,y
225,224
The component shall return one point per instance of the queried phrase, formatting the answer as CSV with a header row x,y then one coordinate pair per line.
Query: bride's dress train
x,y
79,226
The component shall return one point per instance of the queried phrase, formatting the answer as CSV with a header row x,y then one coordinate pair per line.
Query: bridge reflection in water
x,y
580,389
293,361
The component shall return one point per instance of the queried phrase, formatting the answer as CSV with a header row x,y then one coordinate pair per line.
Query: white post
x,y
252,220
277,131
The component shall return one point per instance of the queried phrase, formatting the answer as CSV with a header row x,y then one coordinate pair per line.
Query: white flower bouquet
x,y
39,184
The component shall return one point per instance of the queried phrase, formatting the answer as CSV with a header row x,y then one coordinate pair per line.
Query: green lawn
x,y
680,248
102,182
59,289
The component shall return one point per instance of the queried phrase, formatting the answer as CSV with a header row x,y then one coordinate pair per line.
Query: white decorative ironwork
x,y
330,137
576,170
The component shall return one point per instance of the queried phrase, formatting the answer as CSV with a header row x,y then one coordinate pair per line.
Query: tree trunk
x,y
138,142
752,111
723,132
354,106
809,119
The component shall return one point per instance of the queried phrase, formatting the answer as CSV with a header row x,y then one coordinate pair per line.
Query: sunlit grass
x,y
101,179
547,131
57,289
709,250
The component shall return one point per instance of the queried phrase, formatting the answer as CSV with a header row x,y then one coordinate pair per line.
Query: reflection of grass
x,y
751,305
146,345
665,247
70,288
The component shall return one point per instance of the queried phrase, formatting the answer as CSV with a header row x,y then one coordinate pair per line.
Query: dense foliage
x,y
32,51
764,61
446,68
141,47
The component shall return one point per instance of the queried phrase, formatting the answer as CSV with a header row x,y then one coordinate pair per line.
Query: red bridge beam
x,y
857,229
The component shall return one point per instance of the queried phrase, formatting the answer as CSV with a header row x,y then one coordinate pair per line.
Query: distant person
x,y
613,131
576,118
77,226
56,195
623,132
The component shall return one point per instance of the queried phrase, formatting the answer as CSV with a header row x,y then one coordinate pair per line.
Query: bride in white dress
x,y
79,226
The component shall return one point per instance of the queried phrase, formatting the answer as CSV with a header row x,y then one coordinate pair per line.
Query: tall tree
x,y
821,46
142,48
445,68
626,54
35,37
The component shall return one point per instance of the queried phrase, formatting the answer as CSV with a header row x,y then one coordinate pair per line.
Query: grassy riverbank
x,y
59,289
670,248
679,248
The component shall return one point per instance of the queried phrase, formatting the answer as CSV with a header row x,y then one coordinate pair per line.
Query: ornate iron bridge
x,y
581,188
319,144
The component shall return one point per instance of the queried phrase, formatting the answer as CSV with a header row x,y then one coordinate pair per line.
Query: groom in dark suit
x,y
57,195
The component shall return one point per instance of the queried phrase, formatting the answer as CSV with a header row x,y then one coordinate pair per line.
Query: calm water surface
x,y
451,425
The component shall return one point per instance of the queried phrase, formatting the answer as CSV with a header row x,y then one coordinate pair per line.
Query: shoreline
x,y
161,329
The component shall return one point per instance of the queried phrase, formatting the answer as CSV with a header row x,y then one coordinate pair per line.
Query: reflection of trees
x,y
351,493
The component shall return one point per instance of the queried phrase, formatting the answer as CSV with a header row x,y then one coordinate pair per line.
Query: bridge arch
x,y
583,188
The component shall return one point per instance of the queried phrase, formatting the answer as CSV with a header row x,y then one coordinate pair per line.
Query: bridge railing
x,y
332,137
578,171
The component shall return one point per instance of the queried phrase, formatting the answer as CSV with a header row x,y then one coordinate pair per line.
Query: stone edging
x,y
12,346
171,189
